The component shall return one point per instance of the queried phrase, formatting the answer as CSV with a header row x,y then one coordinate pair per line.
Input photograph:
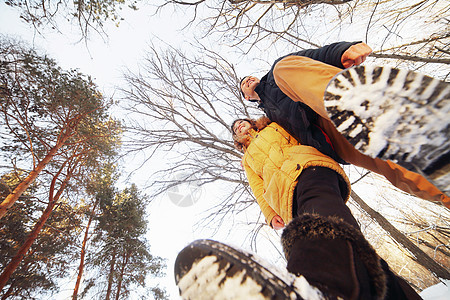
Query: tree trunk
x,y
412,58
14,263
11,292
83,252
12,198
8,292
419,256
111,276
125,262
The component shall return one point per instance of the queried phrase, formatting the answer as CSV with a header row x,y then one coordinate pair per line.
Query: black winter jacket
x,y
295,117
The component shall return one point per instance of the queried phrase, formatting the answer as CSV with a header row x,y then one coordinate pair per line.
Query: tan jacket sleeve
x,y
305,80
257,185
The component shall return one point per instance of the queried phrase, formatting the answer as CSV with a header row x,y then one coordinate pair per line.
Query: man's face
x,y
248,86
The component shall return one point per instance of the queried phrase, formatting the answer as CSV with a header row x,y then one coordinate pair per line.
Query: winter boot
x,y
396,115
333,256
207,269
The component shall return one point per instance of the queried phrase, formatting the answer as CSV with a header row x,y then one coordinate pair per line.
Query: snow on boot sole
x,y
396,115
207,269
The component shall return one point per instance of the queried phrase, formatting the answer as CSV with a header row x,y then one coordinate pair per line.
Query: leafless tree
x,y
184,105
251,21
410,234
410,34
420,256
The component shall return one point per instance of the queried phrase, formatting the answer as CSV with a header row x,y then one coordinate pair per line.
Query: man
x,y
312,239
291,94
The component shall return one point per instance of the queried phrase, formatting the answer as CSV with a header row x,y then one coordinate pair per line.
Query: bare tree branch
x,y
184,104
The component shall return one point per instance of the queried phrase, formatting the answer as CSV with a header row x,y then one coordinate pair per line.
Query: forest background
x,y
164,85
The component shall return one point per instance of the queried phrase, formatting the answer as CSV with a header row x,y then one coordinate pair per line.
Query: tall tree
x,y
122,252
48,258
51,115
101,188
83,251
22,251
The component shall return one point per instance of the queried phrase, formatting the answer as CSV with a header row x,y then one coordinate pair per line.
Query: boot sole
x,y
396,115
207,269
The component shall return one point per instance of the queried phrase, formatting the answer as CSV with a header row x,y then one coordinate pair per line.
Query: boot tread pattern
x,y
394,114
211,270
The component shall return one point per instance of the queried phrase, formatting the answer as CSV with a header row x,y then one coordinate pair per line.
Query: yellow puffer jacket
x,y
273,161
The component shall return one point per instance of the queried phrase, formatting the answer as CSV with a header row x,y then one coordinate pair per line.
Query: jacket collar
x,y
259,89
252,133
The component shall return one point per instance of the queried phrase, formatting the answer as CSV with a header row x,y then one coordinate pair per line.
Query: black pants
x,y
321,191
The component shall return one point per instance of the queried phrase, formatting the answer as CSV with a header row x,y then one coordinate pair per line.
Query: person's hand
x,y
355,55
277,222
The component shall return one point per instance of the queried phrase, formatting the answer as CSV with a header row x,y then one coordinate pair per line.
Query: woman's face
x,y
241,127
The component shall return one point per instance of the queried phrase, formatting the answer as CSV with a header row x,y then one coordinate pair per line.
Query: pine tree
x,y
49,256
52,116
122,251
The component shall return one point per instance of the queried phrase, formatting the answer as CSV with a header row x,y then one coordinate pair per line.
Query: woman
x,y
297,185
287,178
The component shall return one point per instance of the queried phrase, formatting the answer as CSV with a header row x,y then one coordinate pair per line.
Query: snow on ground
x,y
440,291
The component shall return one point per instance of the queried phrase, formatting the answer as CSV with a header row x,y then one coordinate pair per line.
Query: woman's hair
x,y
242,142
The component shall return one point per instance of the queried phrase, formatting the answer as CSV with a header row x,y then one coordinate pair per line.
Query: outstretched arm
x,y
339,54
304,80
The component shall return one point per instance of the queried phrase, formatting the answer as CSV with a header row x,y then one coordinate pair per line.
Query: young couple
x,y
291,159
